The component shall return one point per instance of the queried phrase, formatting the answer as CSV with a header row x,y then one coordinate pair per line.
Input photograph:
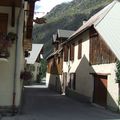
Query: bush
x,y
118,72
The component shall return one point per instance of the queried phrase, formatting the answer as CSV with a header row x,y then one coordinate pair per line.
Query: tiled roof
x,y
64,33
92,21
107,24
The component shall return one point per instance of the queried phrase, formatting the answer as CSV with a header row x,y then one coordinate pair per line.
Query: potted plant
x,y
11,36
6,41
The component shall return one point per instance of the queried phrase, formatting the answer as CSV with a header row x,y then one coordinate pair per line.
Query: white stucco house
x,y
14,30
33,60
90,56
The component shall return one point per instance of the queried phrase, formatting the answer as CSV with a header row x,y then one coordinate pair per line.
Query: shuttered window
x,y
79,49
3,23
72,51
65,53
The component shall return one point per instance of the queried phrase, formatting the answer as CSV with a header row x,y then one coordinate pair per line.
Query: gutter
x,y
16,60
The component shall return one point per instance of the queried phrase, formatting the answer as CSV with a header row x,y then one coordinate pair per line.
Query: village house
x,y
33,61
89,59
16,22
55,60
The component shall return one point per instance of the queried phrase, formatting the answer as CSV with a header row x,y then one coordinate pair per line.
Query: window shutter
x,y
72,51
79,49
29,32
65,53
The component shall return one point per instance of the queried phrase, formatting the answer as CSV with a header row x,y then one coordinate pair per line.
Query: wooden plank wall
x,y
100,53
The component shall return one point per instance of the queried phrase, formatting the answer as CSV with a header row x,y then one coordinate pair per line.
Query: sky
x,y
44,6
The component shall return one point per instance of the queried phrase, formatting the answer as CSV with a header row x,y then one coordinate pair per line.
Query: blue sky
x,y
44,6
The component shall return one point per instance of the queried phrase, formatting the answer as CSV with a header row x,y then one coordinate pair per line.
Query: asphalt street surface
x,y
43,104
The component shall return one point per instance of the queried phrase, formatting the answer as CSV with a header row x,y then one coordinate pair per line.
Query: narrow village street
x,y
43,104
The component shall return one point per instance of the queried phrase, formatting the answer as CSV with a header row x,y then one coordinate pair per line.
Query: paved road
x,y
42,104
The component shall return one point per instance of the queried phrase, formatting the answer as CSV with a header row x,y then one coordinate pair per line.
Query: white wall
x,y
85,45
84,81
47,78
7,68
36,72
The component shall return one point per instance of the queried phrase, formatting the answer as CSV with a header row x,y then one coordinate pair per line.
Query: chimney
x,y
84,21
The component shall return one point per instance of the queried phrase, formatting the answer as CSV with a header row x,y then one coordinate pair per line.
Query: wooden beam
x,y
13,15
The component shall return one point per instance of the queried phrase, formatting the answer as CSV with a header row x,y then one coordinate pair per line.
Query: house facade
x,y
12,62
55,61
90,56
33,61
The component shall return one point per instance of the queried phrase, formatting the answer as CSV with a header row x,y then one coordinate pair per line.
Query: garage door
x,y
100,90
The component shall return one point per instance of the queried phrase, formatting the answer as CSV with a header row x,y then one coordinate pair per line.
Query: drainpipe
x,y
16,60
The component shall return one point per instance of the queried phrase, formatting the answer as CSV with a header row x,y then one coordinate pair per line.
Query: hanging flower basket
x,y
6,41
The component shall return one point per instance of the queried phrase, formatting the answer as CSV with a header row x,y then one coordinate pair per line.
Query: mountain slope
x,y
67,16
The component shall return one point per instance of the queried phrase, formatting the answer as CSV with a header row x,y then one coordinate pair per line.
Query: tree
x,y
118,72
42,71
118,77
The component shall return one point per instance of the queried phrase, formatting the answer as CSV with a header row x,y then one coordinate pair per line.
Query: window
x,y
72,51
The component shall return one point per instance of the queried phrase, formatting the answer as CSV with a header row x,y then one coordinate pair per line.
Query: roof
x,y
107,24
64,33
36,48
109,29
54,53
92,21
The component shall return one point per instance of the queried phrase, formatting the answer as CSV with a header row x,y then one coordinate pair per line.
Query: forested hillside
x,y
65,16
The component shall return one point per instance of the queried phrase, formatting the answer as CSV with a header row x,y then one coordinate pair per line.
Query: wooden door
x,y
100,90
